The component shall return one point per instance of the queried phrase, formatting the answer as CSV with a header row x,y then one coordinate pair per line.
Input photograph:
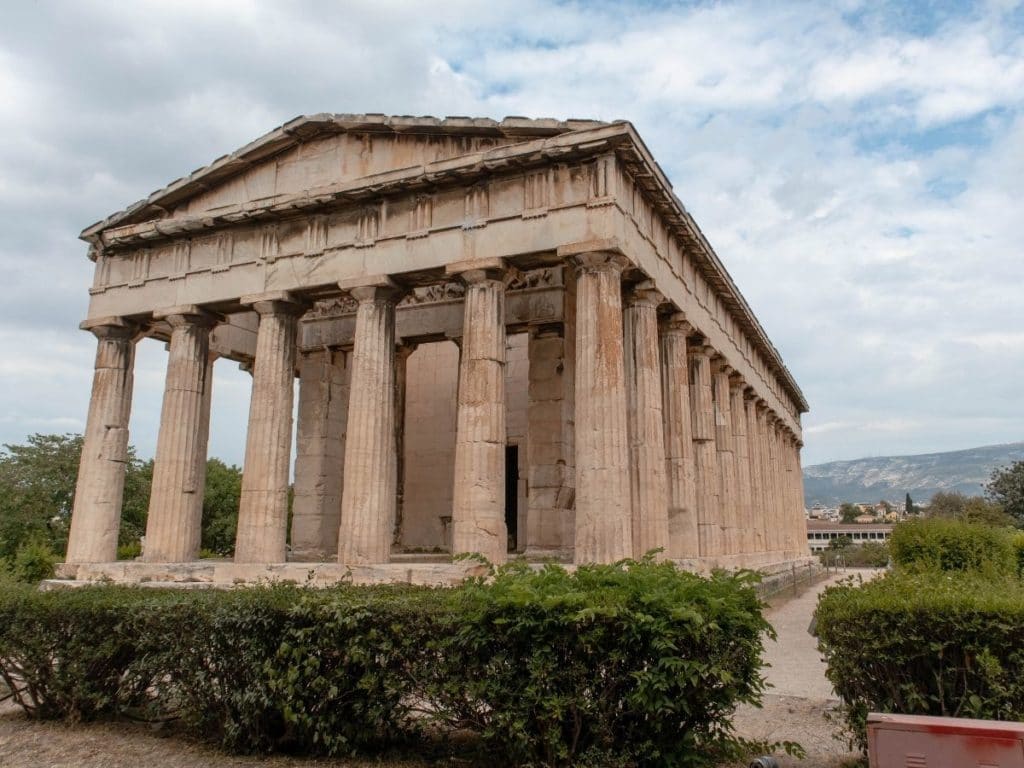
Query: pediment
x,y
316,151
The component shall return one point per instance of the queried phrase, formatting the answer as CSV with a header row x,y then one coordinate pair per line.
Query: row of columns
x,y
673,452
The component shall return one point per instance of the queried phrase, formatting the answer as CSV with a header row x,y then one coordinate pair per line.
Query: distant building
x,y
820,533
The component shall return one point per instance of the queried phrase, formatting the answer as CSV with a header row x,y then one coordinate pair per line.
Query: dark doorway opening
x,y
512,495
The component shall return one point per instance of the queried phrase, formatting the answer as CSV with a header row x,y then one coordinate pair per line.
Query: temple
x,y
510,338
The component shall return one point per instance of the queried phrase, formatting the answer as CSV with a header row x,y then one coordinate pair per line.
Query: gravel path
x,y
795,710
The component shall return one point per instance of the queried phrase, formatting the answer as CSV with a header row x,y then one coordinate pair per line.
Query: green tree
x,y
840,542
849,512
1005,487
954,505
909,506
220,506
37,491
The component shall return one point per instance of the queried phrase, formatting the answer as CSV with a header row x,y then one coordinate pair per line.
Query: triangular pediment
x,y
312,152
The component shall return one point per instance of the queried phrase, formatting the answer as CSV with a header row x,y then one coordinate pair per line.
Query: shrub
x,y
951,545
870,554
610,664
1018,552
129,551
34,561
925,643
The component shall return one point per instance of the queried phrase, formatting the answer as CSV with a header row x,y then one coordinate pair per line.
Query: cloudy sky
x,y
858,166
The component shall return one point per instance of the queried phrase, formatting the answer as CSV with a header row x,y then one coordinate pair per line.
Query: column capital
x,y
188,314
720,364
677,323
701,350
110,327
644,294
599,261
472,271
736,380
276,303
372,288
750,394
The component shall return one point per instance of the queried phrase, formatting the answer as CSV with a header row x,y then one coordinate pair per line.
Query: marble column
x,y
705,454
775,479
402,354
96,517
681,483
478,495
756,479
764,468
802,546
738,413
645,420
320,452
263,510
174,523
728,491
369,497
603,499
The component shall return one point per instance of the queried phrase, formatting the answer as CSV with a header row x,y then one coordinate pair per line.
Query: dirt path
x,y
794,711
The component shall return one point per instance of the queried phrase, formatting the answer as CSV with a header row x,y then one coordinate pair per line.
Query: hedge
x,y
927,643
630,664
952,545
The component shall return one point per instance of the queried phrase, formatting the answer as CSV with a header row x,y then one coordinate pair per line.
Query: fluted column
x,y
681,484
802,546
724,443
756,479
96,516
775,477
174,522
705,454
745,522
645,420
478,498
603,500
369,497
263,509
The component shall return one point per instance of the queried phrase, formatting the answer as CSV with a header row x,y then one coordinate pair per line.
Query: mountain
x,y
891,477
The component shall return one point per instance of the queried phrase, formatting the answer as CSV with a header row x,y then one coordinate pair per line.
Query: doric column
x,y
766,521
775,479
96,517
174,523
320,452
263,510
681,485
742,450
402,354
645,420
802,547
728,491
368,500
478,496
756,479
603,500
705,455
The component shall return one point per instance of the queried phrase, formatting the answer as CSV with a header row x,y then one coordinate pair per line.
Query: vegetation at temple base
x,y
628,664
943,634
37,490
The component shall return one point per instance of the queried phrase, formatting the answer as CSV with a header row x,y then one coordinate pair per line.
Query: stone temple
x,y
510,338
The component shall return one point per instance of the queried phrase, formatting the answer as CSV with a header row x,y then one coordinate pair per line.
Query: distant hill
x,y
891,477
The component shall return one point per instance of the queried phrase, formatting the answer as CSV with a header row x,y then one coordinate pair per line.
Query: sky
x,y
857,166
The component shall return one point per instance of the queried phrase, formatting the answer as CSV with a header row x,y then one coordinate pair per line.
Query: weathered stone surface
x,y
368,500
174,522
728,480
478,505
320,454
646,421
684,541
603,502
263,512
96,517
705,454
745,521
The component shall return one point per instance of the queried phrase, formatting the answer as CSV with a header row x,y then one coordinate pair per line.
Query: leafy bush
x,y
1018,552
129,551
925,643
34,561
870,554
634,663
951,545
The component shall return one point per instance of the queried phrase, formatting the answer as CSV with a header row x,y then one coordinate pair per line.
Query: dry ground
x,y
793,711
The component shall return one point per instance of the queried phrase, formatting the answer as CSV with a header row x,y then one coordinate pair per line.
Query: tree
x,y
1005,487
220,506
840,542
849,512
37,492
909,507
972,509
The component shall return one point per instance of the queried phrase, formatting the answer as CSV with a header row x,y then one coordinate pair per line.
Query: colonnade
x,y
674,450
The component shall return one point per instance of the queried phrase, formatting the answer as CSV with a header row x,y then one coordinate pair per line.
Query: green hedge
x,y
630,664
952,545
927,643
